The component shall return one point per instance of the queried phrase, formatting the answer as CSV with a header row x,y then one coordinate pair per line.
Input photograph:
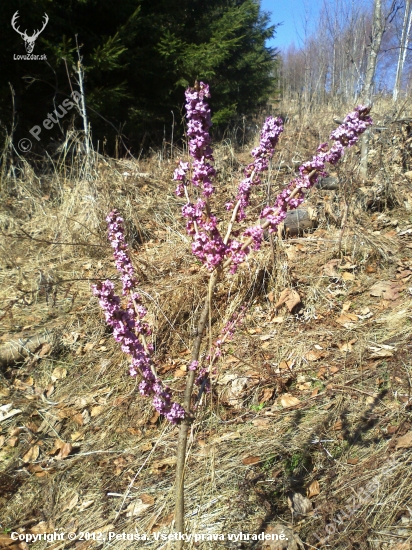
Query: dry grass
x,y
247,451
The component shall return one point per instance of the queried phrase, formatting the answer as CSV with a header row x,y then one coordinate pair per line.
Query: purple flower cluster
x,y
128,326
272,128
198,125
346,135
117,240
208,245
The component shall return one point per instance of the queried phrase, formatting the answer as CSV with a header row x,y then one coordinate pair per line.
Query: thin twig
x,y
28,236
187,421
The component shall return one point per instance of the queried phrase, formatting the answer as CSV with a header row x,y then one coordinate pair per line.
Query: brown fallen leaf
x,y
315,355
283,365
147,499
45,349
76,436
205,451
346,276
95,411
32,454
330,269
20,385
347,319
299,504
58,444
279,319
388,290
59,373
86,504
392,430
230,360
251,460
179,373
379,353
288,297
7,542
147,446
346,347
288,400
120,464
266,395
403,273
352,461
405,441
78,418
159,466
64,451
313,489
40,528
134,431
154,418
156,523
261,422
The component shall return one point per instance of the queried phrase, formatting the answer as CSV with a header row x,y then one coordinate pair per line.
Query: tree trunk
x,y
376,39
406,27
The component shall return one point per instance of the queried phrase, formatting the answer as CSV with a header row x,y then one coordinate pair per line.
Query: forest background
x,y
139,56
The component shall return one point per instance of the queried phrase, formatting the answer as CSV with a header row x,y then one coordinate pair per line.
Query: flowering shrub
x,y
209,246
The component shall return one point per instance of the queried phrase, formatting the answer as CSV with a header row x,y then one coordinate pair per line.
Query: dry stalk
x,y
186,423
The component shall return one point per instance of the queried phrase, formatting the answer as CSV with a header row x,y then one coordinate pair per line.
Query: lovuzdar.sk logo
x,y
29,41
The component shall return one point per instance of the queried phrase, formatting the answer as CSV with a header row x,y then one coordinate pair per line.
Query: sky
x,y
292,13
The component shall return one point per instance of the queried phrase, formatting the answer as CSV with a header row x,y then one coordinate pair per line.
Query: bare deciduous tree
x,y
374,48
406,29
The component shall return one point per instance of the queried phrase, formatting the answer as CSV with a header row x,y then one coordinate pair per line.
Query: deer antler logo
x,y
29,41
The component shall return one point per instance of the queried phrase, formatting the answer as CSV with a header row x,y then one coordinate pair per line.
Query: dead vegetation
x,y
311,401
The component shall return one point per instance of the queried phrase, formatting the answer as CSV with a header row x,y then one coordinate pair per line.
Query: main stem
x,y
187,421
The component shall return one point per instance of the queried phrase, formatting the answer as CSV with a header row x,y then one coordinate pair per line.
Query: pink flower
x,y
128,324
346,135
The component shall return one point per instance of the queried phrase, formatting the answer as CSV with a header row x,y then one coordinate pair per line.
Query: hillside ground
x,y
308,427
